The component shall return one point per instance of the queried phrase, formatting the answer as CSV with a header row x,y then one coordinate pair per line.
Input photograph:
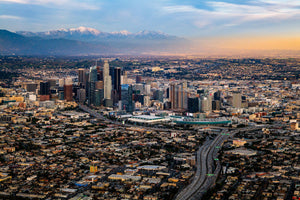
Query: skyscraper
x,y
126,96
107,81
44,91
207,103
117,84
237,100
81,95
158,95
68,89
147,101
216,105
93,74
147,89
61,82
81,77
124,78
44,88
172,96
184,96
178,96
100,74
92,85
98,97
217,95
194,104
112,75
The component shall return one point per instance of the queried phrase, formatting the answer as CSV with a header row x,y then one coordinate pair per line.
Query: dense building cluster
x,y
260,165
64,153
129,128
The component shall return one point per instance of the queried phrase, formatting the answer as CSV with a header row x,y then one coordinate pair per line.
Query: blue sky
x,y
185,18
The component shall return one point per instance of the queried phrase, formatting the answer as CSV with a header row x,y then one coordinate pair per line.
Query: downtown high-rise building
x,y
216,103
178,96
172,96
117,85
81,77
126,97
184,96
147,89
92,85
194,104
206,103
124,79
100,90
107,81
44,88
237,100
68,89
81,95
44,91
158,95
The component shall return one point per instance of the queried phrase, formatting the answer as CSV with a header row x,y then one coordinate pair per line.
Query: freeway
x,y
208,167
199,176
207,171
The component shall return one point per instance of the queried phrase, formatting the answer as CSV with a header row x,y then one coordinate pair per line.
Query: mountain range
x,y
90,34
85,41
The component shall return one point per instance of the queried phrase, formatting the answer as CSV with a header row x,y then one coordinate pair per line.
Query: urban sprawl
x,y
149,128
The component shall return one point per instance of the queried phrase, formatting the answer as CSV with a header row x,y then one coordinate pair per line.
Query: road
x,y
93,113
207,172
101,117
207,167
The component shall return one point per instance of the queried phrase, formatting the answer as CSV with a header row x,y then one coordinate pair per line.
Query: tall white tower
x,y
107,81
106,68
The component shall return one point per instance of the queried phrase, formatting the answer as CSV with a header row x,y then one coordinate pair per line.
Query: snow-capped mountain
x,y
91,34
86,41
83,30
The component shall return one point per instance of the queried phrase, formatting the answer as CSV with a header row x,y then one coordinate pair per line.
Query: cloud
x,y
14,1
10,17
232,14
181,9
290,3
65,3
253,12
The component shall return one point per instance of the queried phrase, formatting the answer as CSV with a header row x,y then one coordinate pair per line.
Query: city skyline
x,y
169,128
259,24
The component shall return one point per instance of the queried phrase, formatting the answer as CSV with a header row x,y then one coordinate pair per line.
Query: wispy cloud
x,y
10,17
231,14
66,3
14,1
289,3
181,9
254,12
